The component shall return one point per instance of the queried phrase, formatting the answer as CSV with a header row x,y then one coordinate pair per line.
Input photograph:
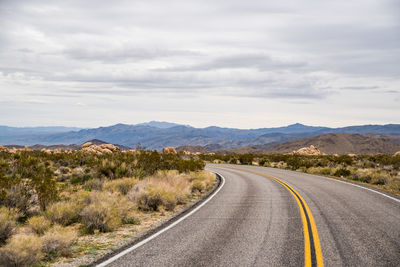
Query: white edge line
x,y
141,243
366,188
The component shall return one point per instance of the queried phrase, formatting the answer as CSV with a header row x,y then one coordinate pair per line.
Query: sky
x,y
242,64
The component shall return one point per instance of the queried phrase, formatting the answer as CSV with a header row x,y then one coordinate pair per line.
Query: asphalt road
x,y
258,220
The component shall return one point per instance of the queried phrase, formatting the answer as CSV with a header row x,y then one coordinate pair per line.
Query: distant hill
x,y
67,147
156,135
160,124
6,130
192,149
344,144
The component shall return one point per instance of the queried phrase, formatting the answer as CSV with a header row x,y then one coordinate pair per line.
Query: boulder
x,y
169,150
311,150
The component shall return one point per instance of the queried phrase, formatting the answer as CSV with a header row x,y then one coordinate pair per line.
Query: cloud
x,y
257,61
309,52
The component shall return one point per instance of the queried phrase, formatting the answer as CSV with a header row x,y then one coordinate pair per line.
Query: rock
x,y
169,150
99,149
87,144
397,153
311,150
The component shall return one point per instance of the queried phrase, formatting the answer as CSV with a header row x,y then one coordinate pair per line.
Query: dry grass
x,y
57,241
21,250
8,222
63,212
122,186
38,224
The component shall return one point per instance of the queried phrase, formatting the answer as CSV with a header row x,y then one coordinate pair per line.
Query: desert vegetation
x,y
382,171
50,201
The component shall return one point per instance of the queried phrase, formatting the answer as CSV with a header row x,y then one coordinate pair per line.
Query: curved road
x,y
259,218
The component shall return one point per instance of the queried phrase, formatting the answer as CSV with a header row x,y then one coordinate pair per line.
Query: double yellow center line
x,y
312,247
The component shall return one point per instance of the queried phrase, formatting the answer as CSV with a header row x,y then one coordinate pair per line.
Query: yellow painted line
x,y
307,242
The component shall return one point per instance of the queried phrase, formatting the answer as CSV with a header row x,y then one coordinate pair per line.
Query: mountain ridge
x,y
172,134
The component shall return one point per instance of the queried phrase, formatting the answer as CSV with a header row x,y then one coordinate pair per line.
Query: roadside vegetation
x,y
382,171
52,203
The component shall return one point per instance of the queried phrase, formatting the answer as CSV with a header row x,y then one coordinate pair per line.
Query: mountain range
x,y
156,135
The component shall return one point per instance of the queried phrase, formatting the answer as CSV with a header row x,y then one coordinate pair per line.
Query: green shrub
x,y
39,224
57,241
21,250
63,212
20,197
8,222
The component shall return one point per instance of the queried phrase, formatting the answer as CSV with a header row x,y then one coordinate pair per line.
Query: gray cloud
x,y
313,52
258,61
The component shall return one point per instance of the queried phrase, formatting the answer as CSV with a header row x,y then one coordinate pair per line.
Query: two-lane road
x,y
260,217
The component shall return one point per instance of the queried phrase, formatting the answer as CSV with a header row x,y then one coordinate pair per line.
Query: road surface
x,y
272,217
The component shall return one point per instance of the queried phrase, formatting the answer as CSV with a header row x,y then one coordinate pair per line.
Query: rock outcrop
x,y
169,150
99,149
311,150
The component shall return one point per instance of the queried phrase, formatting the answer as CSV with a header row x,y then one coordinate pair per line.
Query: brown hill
x,y
343,144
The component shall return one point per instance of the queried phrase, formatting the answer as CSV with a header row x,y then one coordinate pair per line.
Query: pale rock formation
x,y
311,150
169,150
99,149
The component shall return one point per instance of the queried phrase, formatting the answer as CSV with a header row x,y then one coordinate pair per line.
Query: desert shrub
x,y
394,184
107,168
342,172
154,197
94,184
100,216
39,224
202,180
320,170
131,218
21,250
122,186
82,198
80,178
122,170
8,222
105,212
380,178
198,186
57,241
63,212
20,197
363,175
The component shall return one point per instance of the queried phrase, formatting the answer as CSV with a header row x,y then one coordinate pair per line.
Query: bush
x,y
154,197
105,212
39,224
342,172
122,186
57,241
63,212
8,222
95,184
19,196
21,250
198,186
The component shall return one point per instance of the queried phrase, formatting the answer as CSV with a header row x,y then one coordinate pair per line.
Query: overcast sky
x,y
244,64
